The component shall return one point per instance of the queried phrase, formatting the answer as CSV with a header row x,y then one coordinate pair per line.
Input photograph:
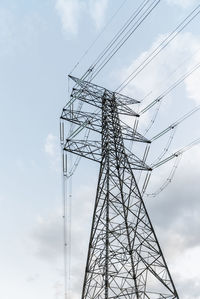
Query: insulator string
x,y
65,233
167,181
153,119
166,148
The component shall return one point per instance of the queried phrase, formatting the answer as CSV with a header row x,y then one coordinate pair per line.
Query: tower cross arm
x,y
89,149
92,94
92,150
124,257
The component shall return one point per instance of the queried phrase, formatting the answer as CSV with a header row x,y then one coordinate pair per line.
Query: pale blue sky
x,y
40,42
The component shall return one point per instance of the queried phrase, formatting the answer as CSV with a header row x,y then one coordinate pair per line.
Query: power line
x,y
177,153
167,181
120,32
131,19
98,36
114,40
178,82
167,146
172,73
158,100
116,173
153,119
190,17
176,156
171,128
126,37
176,123
121,214
169,89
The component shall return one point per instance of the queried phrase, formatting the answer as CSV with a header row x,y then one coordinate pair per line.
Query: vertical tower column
x,y
106,156
124,257
124,260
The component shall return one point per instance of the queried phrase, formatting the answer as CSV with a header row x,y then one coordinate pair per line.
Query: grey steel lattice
x,y
124,260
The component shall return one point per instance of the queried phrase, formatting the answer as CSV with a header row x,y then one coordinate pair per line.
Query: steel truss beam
x,y
124,260
93,122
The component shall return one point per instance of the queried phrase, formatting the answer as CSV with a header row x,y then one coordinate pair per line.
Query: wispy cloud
x,y
69,12
51,145
175,213
181,56
51,148
97,10
47,238
174,217
192,84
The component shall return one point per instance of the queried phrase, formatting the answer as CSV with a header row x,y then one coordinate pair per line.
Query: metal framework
x,y
124,260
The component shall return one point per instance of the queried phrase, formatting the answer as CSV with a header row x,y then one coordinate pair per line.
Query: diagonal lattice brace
x,y
124,260
92,95
92,150
93,121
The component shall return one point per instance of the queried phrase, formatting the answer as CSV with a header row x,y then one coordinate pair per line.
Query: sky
x,y
40,43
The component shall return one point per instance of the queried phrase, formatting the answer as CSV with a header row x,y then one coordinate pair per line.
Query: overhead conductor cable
x,y
169,89
176,156
190,17
98,36
120,32
135,26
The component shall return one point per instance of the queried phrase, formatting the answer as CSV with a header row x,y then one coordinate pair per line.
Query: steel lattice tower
x,y
124,260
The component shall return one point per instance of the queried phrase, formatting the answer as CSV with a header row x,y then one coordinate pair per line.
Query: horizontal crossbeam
x,y
93,121
92,150
92,94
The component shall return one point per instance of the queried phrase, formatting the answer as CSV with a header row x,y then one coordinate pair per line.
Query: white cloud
x,y
182,3
175,216
188,277
51,145
174,213
47,237
179,57
193,86
189,288
51,148
176,210
69,11
46,243
97,11
161,70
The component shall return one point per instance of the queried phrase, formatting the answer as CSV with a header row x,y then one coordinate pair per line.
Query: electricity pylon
x,y
124,258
